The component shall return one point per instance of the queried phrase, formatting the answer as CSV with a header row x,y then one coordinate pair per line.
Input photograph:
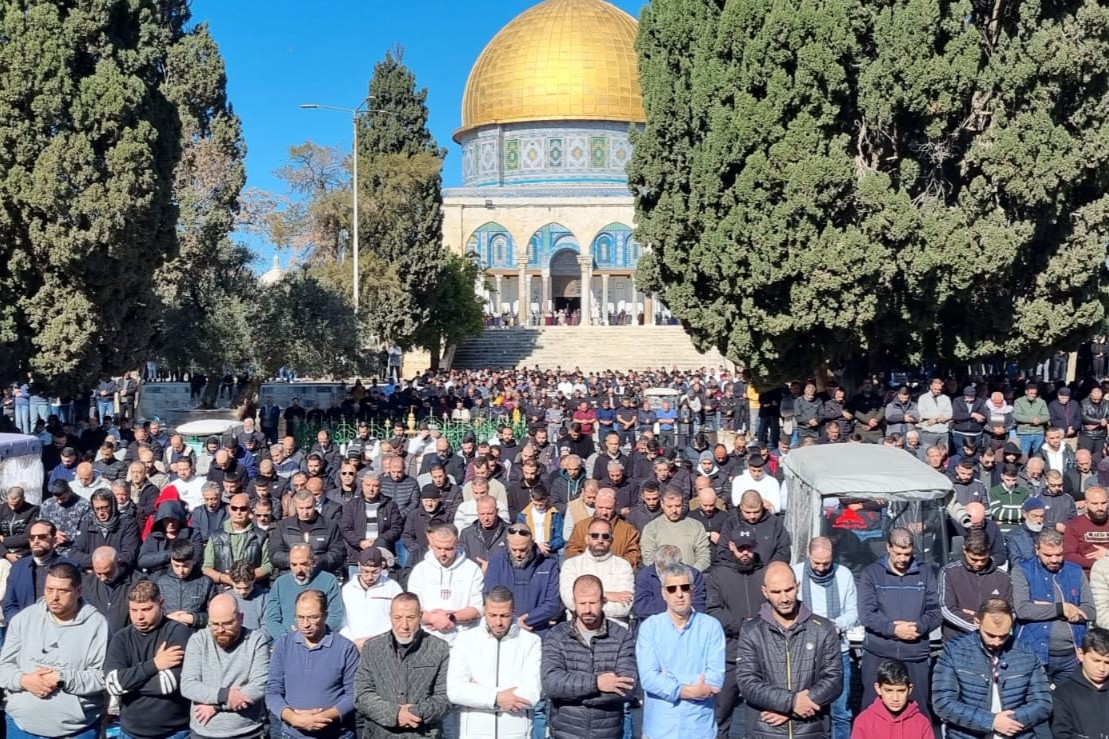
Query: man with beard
x,y
1053,603
588,668
791,702
448,584
280,616
901,413
967,488
1020,543
240,540
370,520
828,589
1087,538
519,492
531,576
106,528
966,584
734,595
625,537
366,598
611,453
708,513
27,578
614,572
1080,478
67,511
224,674
1056,454
142,668
898,606
869,413
649,507
989,685
311,527
675,528
400,688
627,490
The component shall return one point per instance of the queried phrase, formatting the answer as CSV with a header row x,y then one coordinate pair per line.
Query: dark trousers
x,y
919,674
727,701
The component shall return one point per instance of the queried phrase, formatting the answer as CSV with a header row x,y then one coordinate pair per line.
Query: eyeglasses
x,y
602,535
239,507
346,474
102,508
36,537
519,530
684,587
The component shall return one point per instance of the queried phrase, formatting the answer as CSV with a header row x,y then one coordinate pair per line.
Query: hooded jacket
x,y
75,649
779,663
1080,709
118,532
154,554
876,722
733,598
451,588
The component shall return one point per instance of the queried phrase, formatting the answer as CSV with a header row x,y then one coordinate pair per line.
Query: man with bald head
x,y
224,674
706,511
1087,537
794,701
625,537
1078,479
86,481
238,539
106,587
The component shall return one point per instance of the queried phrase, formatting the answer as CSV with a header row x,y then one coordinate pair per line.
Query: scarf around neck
x,y
828,584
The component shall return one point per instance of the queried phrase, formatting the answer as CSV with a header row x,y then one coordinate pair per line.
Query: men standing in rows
x,y
615,573
310,688
965,585
828,590
531,576
787,633
680,654
1053,603
675,528
989,685
224,674
588,668
448,585
734,595
1087,537
143,668
52,662
400,688
483,661
898,606
1095,420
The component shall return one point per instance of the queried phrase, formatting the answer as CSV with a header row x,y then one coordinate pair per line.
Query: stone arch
x,y
614,247
494,246
547,241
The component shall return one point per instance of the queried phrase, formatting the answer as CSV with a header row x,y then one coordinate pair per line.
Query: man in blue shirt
x,y
681,663
667,419
311,682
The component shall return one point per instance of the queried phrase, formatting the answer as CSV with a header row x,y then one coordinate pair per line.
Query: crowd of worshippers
x,y
515,587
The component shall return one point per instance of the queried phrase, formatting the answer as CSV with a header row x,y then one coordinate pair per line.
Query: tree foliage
x,y
399,177
837,181
88,146
458,314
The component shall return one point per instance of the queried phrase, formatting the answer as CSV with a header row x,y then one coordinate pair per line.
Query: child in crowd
x,y
250,597
892,714
1082,700
185,590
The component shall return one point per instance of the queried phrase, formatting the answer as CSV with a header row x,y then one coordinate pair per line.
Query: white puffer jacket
x,y
481,666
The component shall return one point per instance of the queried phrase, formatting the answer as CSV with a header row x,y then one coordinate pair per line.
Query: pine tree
x,y
837,182
88,146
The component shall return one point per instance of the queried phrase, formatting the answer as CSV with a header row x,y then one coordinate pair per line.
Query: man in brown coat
x,y
625,538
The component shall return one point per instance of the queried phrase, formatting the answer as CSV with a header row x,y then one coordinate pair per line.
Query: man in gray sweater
x,y
224,674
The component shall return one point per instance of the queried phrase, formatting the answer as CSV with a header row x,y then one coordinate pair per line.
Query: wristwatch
x,y
453,618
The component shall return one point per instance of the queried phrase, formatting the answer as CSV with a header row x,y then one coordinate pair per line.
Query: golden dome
x,y
560,60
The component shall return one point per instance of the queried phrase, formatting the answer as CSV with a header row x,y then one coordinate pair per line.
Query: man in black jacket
x,y
370,520
311,528
588,669
794,701
107,586
142,667
734,586
16,516
1082,701
772,541
106,528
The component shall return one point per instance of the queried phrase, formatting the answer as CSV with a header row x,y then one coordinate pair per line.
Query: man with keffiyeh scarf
x,y
828,589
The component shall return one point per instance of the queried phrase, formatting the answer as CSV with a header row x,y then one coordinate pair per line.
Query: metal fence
x,y
454,431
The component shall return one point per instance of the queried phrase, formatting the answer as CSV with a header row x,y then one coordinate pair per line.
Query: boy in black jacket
x,y
185,589
142,668
1082,700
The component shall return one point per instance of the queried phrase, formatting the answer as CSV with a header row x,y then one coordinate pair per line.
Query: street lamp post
x,y
358,110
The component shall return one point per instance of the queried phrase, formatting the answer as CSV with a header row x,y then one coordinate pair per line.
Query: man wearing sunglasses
x,y
614,572
680,654
238,539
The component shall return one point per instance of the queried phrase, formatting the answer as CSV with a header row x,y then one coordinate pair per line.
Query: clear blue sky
x,y
280,54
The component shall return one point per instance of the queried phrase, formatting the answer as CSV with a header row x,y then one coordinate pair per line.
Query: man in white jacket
x,y
493,674
614,573
448,584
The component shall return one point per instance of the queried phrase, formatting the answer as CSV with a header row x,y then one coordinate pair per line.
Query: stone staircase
x,y
592,348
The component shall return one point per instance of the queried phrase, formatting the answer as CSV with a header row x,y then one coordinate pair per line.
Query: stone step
x,y
592,348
